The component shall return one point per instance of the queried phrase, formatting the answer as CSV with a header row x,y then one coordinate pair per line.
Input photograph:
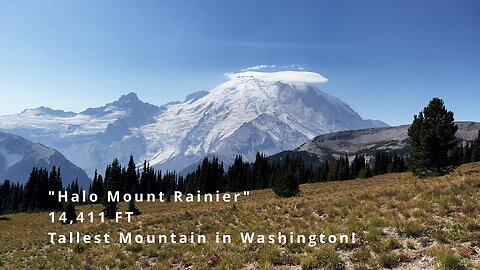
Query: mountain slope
x,y
246,115
18,156
92,138
368,141
250,112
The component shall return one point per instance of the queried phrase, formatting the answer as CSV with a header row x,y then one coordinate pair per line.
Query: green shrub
x,y
412,229
326,258
450,261
79,248
391,260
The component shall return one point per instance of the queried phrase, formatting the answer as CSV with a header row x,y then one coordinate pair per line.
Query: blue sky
x,y
386,59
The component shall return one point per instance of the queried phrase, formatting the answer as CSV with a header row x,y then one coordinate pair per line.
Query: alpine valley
x,y
18,155
251,112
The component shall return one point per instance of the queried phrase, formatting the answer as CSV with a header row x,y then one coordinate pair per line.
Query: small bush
x,y
473,225
361,256
391,260
412,229
450,261
389,245
134,248
79,248
326,258
276,257
309,263
447,258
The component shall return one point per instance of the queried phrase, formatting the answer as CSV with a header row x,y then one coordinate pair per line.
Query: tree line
x,y
284,176
434,151
210,176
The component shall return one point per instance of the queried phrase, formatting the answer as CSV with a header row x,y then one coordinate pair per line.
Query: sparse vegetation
x,y
397,218
447,259
391,260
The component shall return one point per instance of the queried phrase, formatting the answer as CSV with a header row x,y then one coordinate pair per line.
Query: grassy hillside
x,y
401,221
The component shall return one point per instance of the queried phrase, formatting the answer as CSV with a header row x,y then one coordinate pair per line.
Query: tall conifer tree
x,y
432,136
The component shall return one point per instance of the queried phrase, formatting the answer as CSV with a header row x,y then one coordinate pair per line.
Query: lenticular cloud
x,y
282,76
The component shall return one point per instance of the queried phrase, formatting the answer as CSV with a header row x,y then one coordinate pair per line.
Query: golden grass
x,y
401,222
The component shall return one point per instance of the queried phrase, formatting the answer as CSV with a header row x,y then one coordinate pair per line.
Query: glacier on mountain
x,y
252,111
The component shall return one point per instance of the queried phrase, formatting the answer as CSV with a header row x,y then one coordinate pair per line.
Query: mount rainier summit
x,y
251,112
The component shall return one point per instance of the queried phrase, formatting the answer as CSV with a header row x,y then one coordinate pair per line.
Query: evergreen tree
x,y
358,164
325,172
131,205
365,172
382,162
5,197
70,213
286,183
131,182
457,154
133,208
97,185
333,170
55,184
344,169
432,136
476,149
36,196
113,176
236,175
467,153
260,171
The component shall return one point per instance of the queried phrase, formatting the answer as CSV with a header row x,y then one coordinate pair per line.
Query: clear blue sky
x,y
386,59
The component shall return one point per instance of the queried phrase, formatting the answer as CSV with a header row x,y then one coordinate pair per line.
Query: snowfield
x,y
252,111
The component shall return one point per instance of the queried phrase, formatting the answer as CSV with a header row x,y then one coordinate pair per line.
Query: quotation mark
x,y
51,193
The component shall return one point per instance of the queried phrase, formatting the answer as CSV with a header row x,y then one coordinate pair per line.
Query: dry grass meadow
x,y
402,223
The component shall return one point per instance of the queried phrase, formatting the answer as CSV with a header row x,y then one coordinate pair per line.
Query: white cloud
x,y
282,76
258,67
293,66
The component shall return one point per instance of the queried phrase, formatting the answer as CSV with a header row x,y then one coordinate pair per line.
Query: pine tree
x,y
287,182
97,185
131,176
333,170
457,154
5,197
70,213
31,191
131,205
476,149
365,172
55,184
236,175
432,136
113,183
133,208
260,171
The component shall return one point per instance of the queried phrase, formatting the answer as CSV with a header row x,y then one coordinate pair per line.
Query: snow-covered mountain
x,y
18,156
252,111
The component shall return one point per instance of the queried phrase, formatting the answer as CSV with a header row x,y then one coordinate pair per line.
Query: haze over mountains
x,y
18,156
250,112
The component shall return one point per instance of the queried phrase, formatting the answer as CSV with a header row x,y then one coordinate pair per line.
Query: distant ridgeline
x,y
210,176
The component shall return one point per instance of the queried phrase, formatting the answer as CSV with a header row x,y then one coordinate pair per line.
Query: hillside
x,y
18,156
401,222
369,140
